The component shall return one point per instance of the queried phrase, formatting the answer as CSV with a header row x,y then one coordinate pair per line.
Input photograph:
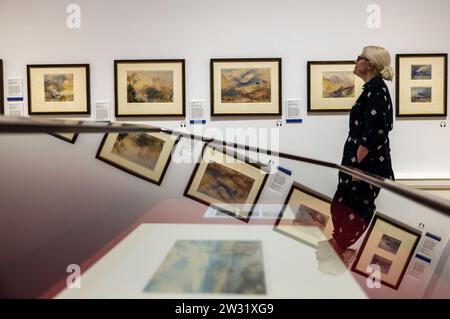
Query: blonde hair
x,y
381,58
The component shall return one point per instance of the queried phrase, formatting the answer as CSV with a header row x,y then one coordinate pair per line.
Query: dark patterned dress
x,y
353,204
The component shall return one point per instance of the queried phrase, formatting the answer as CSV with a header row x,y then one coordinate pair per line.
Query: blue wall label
x,y
12,99
294,121
433,236
197,121
426,259
284,170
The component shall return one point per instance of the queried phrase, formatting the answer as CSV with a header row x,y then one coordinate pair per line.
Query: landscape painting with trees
x,y
149,86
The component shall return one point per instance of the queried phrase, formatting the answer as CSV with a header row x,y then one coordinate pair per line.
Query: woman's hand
x,y
361,153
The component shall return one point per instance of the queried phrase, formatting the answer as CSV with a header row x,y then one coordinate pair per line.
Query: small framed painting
x,y
226,183
421,85
332,86
246,87
388,248
58,89
145,155
305,216
149,88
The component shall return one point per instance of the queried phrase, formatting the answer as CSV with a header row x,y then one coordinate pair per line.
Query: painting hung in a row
x,y
421,85
211,266
332,86
149,88
305,216
226,183
58,89
245,87
145,155
388,247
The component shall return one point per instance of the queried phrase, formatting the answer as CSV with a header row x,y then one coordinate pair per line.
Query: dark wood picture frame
x,y
401,227
117,107
308,191
31,109
64,138
221,209
397,84
310,108
132,172
278,111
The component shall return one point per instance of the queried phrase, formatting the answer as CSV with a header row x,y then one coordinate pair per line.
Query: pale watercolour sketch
x,y
225,184
245,85
338,84
421,72
149,86
389,244
142,149
58,87
383,263
420,94
211,266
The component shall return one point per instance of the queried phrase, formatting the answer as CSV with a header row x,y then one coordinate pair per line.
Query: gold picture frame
x,y
390,245
332,86
305,216
246,87
226,183
149,88
58,89
144,155
421,85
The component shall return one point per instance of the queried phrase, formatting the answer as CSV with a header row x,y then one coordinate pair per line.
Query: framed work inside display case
x,y
332,86
421,85
246,87
180,260
211,267
145,155
226,183
305,216
58,89
388,246
149,88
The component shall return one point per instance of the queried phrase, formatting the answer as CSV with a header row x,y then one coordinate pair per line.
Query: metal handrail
x,y
25,125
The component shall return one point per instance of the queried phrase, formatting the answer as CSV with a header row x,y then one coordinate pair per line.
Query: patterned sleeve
x,y
376,124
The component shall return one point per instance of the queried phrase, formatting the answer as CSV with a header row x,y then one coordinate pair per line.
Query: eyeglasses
x,y
360,57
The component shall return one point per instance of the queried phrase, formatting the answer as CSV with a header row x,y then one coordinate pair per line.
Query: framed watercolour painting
x,y
389,246
226,183
59,89
421,85
145,155
246,87
332,86
305,216
2,107
149,88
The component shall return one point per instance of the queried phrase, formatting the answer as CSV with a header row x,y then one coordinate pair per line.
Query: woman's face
x,y
362,66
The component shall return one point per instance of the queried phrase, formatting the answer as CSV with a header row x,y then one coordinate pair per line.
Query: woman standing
x,y
366,149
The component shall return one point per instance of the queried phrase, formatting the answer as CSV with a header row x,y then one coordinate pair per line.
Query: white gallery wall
x,y
65,194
